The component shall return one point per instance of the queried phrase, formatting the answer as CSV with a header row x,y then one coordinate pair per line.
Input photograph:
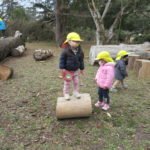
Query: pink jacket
x,y
105,75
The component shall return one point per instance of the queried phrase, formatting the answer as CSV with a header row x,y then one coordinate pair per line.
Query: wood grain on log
x,y
74,108
132,59
137,66
144,71
5,72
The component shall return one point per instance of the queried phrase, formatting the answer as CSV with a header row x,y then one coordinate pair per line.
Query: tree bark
x,y
60,22
8,44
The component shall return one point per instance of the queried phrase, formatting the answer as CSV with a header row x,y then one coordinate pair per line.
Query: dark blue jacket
x,y
71,61
120,70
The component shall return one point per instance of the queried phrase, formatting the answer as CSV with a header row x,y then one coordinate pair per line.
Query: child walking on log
x,y
104,79
71,61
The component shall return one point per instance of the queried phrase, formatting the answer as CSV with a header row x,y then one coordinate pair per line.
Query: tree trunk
x,y
8,44
60,22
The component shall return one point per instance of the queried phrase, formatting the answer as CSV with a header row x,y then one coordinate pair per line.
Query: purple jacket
x,y
105,75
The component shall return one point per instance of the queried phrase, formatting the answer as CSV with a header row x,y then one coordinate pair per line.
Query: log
x,y
8,44
137,66
144,71
114,49
132,59
5,72
74,108
42,54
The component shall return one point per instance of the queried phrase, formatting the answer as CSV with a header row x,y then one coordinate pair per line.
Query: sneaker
x,y
67,96
125,87
77,94
113,90
98,104
105,107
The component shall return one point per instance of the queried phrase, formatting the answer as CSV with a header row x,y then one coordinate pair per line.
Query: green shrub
x,y
142,38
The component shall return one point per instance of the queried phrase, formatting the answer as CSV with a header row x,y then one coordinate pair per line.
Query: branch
x,y
105,10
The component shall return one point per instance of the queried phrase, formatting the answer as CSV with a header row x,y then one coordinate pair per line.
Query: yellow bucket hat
x,y
121,53
104,55
73,36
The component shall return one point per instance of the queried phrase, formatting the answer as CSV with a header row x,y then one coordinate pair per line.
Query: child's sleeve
x,y
62,60
82,62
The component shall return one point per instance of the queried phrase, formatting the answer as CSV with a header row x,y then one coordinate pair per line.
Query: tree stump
x,y
144,71
74,108
137,66
132,59
5,72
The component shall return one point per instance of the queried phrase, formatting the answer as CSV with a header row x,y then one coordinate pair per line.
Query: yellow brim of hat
x,y
74,40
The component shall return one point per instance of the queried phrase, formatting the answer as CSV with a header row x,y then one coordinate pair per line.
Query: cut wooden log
x,y
144,71
5,72
42,54
137,66
74,108
132,59
8,44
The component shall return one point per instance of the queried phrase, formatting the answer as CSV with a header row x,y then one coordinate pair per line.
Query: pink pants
x,y
75,81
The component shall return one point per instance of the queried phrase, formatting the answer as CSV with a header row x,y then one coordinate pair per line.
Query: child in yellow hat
x,y
120,70
71,61
104,78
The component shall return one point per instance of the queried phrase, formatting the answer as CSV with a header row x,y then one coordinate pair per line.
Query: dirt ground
x,y
28,102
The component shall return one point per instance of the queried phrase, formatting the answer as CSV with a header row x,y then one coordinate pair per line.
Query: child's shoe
x,y
67,96
125,87
76,94
98,104
113,90
105,107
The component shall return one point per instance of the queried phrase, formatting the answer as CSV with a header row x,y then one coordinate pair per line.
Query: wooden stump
x,y
144,71
137,66
132,59
5,72
74,108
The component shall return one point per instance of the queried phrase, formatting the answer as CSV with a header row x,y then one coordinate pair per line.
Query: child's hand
x,y
82,72
62,72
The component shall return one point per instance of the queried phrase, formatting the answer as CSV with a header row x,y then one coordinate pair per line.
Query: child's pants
x,y
117,82
103,94
75,81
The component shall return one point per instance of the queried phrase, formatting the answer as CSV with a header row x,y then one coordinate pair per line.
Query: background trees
x,y
112,21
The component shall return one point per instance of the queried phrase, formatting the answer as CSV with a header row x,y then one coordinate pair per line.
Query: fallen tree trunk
x,y
8,44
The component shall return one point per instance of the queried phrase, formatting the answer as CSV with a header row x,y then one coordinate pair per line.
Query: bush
x,y
142,38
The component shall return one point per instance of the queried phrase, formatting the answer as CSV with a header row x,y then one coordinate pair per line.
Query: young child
x,y
2,27
71,60
120,70
104,78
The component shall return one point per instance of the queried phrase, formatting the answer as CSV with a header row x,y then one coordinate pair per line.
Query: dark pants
x,y
103,94
3,32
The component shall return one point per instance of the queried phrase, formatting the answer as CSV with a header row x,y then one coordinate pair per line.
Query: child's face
x,y
102,61
74,44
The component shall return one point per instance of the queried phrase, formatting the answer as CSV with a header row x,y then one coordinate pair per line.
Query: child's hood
x,y
112,64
